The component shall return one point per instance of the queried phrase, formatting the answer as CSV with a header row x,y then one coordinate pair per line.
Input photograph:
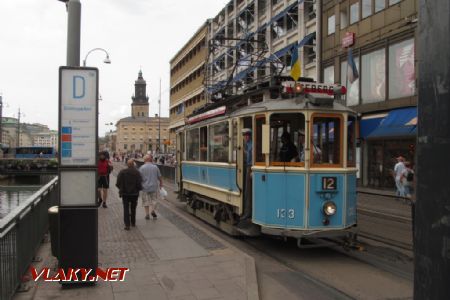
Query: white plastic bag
x,y
163,193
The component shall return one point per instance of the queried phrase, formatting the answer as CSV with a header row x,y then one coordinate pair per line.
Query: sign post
x,y
78,131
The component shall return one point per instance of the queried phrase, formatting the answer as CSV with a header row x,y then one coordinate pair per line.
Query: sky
x,y
137,34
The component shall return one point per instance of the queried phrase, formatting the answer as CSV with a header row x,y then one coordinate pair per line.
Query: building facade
x,y
187,72
251,41
140,133
381,35
46,139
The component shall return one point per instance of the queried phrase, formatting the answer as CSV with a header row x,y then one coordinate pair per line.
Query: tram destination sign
x,y
78,94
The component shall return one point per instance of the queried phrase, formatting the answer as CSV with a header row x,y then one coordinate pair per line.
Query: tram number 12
x,y
281,213
328,183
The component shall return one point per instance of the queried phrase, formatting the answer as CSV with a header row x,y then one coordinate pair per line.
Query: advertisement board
x,y
78,96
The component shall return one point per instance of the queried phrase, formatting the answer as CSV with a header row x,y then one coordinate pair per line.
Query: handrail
x,y
15,214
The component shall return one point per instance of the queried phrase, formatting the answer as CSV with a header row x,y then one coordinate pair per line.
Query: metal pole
x,y
319,41
1,120
432,211
159,117
73,33
18,130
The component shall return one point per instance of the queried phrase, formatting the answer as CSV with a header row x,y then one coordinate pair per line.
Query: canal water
x,y
15,190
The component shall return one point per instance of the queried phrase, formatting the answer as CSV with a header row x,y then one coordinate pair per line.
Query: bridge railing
x,y
167,172
21,233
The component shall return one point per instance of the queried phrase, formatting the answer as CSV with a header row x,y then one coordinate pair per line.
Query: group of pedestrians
x,y
404,177
132,182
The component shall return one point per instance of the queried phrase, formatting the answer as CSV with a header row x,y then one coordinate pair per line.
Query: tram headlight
x,y
329,208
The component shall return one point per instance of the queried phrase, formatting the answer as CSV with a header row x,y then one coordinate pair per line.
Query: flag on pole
x,y
296,70
352,71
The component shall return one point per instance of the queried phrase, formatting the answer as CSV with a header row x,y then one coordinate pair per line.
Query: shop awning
x,y
398,123
369,123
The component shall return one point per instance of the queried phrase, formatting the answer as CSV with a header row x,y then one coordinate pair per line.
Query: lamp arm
x,y
92,50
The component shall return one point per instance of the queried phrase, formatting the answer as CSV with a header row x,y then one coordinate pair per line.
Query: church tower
x,y
139,106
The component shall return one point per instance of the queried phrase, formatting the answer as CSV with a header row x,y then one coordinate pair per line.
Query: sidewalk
x,y
169,258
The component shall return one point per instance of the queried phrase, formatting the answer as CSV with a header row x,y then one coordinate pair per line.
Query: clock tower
x,y
139,106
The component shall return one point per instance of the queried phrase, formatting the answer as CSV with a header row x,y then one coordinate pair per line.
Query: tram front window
x,y
326,140
287,139
192,144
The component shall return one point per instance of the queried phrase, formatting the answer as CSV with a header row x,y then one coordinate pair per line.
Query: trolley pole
x,y
432,211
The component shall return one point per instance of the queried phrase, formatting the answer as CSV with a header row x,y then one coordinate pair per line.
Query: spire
x,y
140,74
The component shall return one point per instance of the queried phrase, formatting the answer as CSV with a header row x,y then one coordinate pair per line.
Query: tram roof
x,y
291,104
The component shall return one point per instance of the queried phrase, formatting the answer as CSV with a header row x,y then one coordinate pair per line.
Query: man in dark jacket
x,y
129,183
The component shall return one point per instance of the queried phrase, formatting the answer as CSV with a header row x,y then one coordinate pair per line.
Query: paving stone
x,y
208,293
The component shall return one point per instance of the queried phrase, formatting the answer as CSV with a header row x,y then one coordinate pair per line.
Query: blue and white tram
x,y
300,180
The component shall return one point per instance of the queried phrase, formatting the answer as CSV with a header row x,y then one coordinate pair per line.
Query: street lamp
x,y
106,60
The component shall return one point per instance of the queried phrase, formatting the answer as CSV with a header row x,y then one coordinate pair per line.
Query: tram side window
x,y
234,142
193,144
326,140
204,144
287,138
351,141
218,142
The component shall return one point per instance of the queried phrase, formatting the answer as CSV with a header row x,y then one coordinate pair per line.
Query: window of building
x,y
402,75
292,18
344,17
193,144
392,2
325,148
204,144
354,13
218,142
328,75
331,24
352,96
125,146
351,141
366,8
373,77
310,11
379,5
287,139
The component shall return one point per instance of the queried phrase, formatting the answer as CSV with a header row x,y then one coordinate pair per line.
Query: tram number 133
x,y
282,213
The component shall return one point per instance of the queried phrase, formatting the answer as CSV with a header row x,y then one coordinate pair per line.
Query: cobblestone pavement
x,y
169,258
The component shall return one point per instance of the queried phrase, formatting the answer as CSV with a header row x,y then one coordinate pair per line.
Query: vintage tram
x,y
283,167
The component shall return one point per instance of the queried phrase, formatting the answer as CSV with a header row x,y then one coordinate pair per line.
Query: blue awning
x,y
369,123
306,39
398,123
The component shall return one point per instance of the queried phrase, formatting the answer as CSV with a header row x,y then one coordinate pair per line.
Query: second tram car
x,y
284,167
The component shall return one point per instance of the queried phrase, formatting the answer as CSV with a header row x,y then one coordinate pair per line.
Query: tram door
x,y
246,160
179,157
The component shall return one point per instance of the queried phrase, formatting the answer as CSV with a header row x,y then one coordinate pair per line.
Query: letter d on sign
x,y
79,87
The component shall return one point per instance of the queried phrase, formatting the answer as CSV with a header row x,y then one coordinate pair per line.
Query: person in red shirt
x,y
104,167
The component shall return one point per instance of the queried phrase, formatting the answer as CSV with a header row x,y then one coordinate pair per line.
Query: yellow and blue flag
x,y
296,70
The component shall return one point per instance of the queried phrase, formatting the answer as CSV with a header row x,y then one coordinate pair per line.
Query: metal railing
x,y
167,172
21,233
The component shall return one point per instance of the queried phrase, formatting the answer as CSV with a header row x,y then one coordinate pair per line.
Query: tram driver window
x,y
192,144
218,142
326,140
351,141
287,139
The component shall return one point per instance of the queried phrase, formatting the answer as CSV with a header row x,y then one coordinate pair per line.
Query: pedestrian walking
x,y
408,179
104,167
129,183
399,170
151,183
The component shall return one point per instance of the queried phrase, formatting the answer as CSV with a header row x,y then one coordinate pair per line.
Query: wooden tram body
x,y
310,195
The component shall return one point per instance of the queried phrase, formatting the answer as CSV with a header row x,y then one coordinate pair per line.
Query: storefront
x,y
385,136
